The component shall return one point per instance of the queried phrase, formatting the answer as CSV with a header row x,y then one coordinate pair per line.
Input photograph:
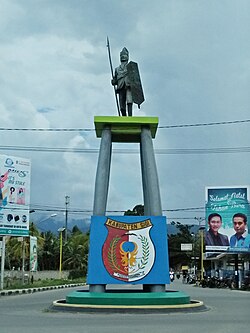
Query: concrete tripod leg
x,y
144,183
149,175
151,190
102,174
102,184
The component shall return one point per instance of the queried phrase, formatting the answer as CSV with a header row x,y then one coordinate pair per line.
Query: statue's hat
x,y
124,51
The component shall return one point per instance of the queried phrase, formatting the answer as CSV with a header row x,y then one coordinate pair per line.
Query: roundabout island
x,y
128,300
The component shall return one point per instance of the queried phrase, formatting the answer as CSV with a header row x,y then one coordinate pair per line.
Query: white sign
x,y
186,247
14,195
33,254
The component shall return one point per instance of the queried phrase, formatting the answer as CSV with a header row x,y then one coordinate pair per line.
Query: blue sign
x,y
128,249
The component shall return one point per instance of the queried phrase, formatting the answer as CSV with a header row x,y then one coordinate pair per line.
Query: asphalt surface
x,y
228,311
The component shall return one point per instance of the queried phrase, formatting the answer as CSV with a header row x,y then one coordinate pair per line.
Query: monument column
x,y
103,173
151,190
152,198
102,185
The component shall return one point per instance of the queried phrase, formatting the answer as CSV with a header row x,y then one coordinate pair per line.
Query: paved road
x,y
228,313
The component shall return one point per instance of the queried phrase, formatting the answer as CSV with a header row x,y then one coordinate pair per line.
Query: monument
x,y
128,250
142,240
127,83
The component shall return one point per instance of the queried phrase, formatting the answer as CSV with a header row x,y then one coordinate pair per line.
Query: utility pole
x,y
23,259
66,216
201,231
2,263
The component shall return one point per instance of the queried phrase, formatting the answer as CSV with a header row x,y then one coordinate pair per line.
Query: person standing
x,y
213,237
241,238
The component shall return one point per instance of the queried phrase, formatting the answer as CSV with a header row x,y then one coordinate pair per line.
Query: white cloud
x,y
194,62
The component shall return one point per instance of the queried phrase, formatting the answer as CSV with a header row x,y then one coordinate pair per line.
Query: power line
x,y
48,129
37,207
207,124
75,210
92,129
89,211
162,151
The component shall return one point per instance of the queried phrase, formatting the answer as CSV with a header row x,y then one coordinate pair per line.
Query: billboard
x,y
33,254
14,195
186,247
227,219
128,249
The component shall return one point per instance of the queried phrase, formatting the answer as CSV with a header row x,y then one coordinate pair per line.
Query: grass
x,y
17,284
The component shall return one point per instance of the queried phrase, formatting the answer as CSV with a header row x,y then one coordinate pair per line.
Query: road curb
x,y
14,292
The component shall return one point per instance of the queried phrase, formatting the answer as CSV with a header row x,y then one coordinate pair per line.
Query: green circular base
x,y
116,301
128,298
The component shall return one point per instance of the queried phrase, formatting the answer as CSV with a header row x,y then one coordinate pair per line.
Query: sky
x,y
194,61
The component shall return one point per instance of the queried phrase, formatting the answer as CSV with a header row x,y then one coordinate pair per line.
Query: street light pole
x,y
201,228
2,263
23,259
66,216
194,254
202,242
61,230
47,218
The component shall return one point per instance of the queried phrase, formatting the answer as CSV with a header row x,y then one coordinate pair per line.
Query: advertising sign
x,y
128,249
33,254
186,247
227,218
14,195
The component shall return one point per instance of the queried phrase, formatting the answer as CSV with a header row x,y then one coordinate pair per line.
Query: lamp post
x,y
193,258
2,262
61,230
47,218
66,216
202,246
201,228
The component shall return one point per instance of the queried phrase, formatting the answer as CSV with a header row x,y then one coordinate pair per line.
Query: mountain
x,y
52,224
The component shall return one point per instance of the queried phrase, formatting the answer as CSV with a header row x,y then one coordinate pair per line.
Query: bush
x,y
76,274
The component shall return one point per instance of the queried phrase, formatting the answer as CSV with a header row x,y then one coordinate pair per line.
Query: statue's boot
x,y
123,112
130,109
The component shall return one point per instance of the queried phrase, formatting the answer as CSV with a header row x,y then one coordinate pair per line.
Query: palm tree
x,y
15,252
76,251
48,257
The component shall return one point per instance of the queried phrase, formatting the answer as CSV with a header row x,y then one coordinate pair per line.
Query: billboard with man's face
x,y
227,219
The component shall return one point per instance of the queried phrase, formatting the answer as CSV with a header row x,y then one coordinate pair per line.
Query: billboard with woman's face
x,y
14,195
227,218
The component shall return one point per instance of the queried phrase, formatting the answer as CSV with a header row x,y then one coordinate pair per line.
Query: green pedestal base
x,y
128,298
128,301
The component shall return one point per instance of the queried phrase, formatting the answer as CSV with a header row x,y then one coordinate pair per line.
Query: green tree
x,y
76,251
75,230
14,252
48,256
177,257
138,210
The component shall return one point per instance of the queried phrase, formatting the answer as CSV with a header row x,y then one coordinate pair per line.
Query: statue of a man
x,y
123,88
